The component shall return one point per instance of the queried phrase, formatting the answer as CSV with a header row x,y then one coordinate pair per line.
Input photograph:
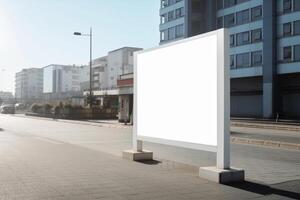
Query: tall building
x,y
29,85
63,81
64,78
264,49
186,18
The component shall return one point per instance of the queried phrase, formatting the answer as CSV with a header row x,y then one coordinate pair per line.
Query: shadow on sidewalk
x,y
1,129
267,190
150,162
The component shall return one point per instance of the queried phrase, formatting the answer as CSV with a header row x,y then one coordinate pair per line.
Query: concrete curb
x,y
105,125
266,143
265,126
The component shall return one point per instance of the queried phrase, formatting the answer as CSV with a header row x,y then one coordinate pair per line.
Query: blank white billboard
x,y
179,97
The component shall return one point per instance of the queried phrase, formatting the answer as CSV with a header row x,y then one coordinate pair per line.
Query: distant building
x,y
84,76
6,97
62,78
119,62
29,85
109,77
99,74
63,81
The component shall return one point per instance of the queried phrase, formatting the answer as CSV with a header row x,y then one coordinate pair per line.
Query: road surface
x,y
41,158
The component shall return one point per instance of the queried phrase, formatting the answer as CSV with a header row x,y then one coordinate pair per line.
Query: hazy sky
x,y
35,33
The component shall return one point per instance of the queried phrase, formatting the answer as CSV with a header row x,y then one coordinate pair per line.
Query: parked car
x,y
19,106
7,109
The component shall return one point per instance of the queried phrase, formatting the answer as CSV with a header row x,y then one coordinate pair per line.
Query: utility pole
x,y
91,73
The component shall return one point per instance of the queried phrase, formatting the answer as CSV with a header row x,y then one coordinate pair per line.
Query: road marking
x,y
48,140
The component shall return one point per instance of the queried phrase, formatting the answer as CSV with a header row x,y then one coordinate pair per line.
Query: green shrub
x,y
35,108
68,107
47,108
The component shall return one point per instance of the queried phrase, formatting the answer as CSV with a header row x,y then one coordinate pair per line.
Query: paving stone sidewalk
x,y
37,168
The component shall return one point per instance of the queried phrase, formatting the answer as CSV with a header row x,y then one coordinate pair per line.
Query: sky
x,y
36,33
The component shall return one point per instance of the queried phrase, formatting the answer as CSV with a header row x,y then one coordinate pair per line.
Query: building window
x,y
297,27
179,31
164,35
287,29
297,53
170,15
256,58
287,53
219,4
242,60
220,22
171,33
256,35
232,43
242,38
296,5
229,3
241,1
232,62
242,17
287,6
179,12
256,13
163,18
229,20
164,3
171,2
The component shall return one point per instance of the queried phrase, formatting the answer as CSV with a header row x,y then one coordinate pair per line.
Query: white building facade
x,y
119,62
64,78
6,97
29,85
99,73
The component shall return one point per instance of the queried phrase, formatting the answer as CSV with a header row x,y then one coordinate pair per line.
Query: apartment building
x,y
64,78
99,73
264,49
29,85
6,97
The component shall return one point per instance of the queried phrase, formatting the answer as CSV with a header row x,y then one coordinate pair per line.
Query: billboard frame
x,y
223,100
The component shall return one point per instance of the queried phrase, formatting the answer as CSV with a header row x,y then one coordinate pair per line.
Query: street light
x,y
91,37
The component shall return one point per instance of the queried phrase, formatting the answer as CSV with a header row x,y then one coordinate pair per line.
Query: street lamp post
x,y
91,38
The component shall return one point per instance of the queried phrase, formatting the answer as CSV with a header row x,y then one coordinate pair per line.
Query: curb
x,y
276,127
266,143
105,125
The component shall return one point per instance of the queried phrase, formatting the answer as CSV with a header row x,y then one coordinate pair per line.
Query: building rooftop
x,y
137,48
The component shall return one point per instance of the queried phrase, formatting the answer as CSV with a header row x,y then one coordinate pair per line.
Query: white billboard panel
x,y
179,92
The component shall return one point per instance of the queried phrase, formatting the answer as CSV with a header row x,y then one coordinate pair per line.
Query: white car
x,y
7,109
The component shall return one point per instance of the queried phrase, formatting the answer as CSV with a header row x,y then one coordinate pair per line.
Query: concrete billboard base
x,y
137,155
222,175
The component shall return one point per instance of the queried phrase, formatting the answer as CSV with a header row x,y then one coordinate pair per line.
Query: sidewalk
x,y
37,169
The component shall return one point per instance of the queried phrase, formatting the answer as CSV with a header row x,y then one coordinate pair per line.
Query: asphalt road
x,y
267,165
